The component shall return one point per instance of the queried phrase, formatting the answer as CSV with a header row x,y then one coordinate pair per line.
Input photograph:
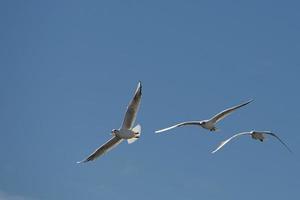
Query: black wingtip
x,y
140,87
249,101
246,102
83,161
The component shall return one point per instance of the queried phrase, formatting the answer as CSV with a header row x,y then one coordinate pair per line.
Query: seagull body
x,y
256,135
209,124
126,132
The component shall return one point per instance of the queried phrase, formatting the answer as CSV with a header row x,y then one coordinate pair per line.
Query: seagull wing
x,y
178,125
113,142
132,108
226,141
226,112
274,135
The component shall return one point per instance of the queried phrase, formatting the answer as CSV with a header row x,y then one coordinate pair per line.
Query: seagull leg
x,y
214,129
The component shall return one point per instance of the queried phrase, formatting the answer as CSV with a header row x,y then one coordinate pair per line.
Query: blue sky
x,y
69,68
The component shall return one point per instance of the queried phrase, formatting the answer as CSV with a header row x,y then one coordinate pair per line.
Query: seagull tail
x,y
137,129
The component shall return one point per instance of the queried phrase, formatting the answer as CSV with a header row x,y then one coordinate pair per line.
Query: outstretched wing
x,y
226,141
132,108
274,135
226,112
113,142
178,125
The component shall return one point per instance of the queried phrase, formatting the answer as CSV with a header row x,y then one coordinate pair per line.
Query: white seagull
x,y
208,124
256,135
126,131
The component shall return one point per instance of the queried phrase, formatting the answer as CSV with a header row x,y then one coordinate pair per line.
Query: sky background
x,y
68,69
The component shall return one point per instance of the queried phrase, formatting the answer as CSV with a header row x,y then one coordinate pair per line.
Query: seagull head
x,y
114,132
202,123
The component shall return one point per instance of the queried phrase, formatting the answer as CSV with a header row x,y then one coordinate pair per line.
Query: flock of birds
x,y
131,134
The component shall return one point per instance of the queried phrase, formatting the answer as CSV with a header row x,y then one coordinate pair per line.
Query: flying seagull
x,y
126,132
256,135
208,124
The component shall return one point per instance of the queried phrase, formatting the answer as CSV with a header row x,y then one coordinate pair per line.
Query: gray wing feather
x,y
178,125
113,142
226,141
274,135
226,112
132,108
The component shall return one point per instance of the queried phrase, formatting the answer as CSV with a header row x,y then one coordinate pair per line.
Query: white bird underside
x,y
127,124
226,141
178,125
209,124
257,135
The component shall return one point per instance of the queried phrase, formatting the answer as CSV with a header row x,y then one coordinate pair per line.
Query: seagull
x,y
208,124
256,135
126,132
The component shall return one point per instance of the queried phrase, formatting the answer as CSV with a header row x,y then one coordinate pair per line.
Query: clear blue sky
x,y
69,68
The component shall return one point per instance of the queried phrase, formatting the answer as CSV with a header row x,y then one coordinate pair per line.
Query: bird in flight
x,y
256,135
126,132
209,124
